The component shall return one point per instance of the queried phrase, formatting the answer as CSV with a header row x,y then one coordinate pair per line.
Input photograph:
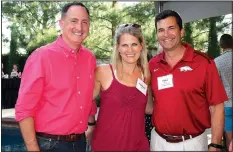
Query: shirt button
x,y
78,77
81,107
90,76
67,56
81,122
72,51
79,92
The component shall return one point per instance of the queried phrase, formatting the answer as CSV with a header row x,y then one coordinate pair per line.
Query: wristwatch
x,y
216,146
91,123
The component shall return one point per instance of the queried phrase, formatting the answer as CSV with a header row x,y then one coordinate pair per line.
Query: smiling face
x,y
75,26
15,67
169,34
129,48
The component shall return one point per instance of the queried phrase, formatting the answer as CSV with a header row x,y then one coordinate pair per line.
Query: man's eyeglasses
x,y
131,25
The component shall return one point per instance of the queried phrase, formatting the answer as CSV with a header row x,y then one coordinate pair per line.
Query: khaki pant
x,y
199,143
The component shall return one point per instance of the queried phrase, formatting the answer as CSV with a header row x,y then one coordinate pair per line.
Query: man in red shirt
x,y
53,109
188,92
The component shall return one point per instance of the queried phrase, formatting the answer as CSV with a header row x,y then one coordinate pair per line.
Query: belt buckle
x,y
172,138
73,136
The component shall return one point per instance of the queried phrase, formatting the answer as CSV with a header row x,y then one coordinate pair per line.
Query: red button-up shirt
x,y
57,88
184,108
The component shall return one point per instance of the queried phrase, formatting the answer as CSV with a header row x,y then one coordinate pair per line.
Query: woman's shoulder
x,y
103,73
103,66
103,69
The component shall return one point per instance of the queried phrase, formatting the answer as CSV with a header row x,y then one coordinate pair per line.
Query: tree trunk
x,y
188,33
114,6
13,55
213,47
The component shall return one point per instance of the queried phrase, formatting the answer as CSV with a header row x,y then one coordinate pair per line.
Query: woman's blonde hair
x,y
134,30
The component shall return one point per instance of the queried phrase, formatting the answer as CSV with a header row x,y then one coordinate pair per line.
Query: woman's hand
x,y
89,134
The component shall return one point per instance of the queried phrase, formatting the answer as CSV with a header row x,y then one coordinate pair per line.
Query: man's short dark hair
x,y
66,7
226,41
169,13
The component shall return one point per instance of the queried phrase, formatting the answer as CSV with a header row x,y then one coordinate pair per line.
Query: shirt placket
x,y
79,91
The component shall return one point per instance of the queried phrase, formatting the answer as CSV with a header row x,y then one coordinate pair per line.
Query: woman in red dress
x,y
123,88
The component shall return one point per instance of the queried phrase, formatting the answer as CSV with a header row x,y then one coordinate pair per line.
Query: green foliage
x,y
4,39
32,19
106,16
36,21
144,14
205,34
200,34
42,39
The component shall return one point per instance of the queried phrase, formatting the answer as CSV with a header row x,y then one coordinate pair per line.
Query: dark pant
x,y
48,144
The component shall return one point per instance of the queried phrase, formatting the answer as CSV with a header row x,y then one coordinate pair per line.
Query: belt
x,y
69,138
176,139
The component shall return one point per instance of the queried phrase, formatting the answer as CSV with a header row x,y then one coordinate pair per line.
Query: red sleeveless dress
x,y
121,121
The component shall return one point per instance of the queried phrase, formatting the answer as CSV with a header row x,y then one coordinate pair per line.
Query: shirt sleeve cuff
x,y
20,114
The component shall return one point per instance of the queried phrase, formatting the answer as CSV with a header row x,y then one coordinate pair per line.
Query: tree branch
x,y
102,49
32,14
199,34
53,23
103,19
106,27
33,28
225,25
